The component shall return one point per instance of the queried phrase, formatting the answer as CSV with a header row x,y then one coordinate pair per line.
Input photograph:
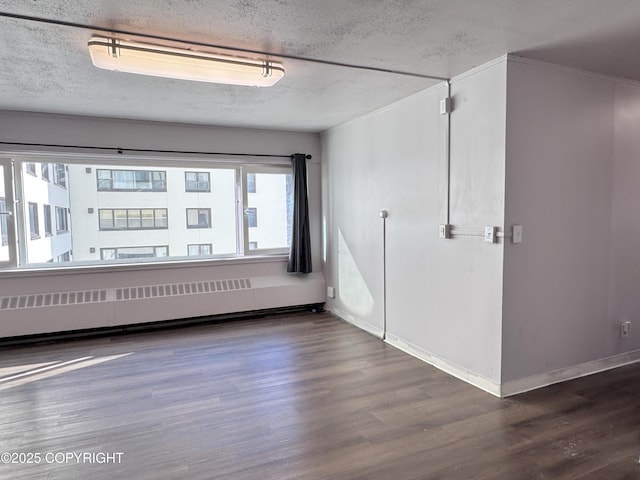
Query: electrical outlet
x,y
625,329
331,292
490,234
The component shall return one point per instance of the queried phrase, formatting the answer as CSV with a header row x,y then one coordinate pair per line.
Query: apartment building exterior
x,y
94,213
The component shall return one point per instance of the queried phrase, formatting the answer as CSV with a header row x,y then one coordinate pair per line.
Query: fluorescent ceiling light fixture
x,y
169,62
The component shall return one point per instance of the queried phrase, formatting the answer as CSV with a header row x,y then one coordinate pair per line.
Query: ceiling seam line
x,y
122,150
118,31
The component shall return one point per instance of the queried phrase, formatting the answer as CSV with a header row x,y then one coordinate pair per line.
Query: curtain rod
x,y
119,31
122,150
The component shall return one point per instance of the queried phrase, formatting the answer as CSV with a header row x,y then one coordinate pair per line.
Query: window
x,y
47,221
118,214
251,183
252,217
34,228
270,192
198,218
62,220
196,182
133,218
131,180
65,257
45,171
123,253
30,168
4,223
60,175
199,249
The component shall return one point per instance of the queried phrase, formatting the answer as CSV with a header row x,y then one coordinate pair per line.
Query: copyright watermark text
x,y
35,458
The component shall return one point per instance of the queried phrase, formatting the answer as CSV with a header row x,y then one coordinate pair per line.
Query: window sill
x,y
39,271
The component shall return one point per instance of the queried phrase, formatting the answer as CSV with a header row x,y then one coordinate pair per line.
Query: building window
x,y
47,221
123,253
4,223
60,175
133,218
251,183
34,228
131,180
30,168
199,249
196,182
62,220
198,218
65,257
45,171
252,217
237,230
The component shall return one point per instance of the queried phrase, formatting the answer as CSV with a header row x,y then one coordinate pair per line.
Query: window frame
x,y
200,245
136,259
62,219
58,179
62,162
198,225
197,182
48,226
246,173
140,217
134,172
34,221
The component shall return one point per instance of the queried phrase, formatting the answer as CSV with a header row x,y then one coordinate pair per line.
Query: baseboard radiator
x,y
56,311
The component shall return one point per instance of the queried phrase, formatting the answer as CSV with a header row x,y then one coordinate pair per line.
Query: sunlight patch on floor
x,y
34,372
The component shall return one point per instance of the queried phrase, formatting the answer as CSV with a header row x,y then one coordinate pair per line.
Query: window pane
x,y
122,180
111,220
197,182
252,217
161,218
134,219
198,217
120,218
33,220
147,218
272,197
47,220
106,219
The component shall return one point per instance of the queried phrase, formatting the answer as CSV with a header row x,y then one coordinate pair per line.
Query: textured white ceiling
x,y
46,68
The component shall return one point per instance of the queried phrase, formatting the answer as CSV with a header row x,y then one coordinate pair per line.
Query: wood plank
x,y
299,396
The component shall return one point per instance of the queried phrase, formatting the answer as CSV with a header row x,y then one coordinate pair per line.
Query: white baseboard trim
x,y
446,366
366,326
533,382
503,390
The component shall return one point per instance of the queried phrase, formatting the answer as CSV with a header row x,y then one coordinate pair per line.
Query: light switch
x,y
516,234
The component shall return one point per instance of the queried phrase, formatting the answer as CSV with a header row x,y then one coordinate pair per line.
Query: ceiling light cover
x,y
169,62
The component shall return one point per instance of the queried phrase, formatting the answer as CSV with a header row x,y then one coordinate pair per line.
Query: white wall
x,y
571,282
624,296
443,296
52,129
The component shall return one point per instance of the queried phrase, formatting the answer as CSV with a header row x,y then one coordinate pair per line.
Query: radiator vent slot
x,y
178,289
52,299
40,300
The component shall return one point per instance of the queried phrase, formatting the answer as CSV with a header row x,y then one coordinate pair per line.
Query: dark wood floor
x,y
297,396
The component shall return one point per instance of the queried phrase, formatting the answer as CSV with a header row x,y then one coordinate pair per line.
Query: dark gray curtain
x,y
300,253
